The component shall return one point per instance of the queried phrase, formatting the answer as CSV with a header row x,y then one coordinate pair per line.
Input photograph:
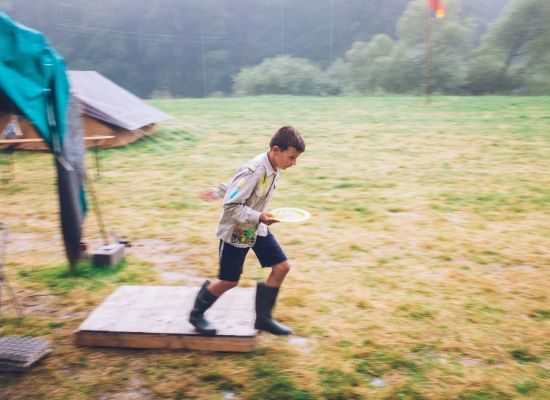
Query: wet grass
x,y
61,280
424,265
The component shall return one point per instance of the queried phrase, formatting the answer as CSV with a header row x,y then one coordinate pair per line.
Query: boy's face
x,y
285,159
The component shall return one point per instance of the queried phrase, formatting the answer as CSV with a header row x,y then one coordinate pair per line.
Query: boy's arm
x,y
238,192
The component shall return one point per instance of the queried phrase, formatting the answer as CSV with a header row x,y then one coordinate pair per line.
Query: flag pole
x,y
428,56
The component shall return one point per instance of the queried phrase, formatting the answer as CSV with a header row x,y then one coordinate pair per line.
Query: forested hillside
x,y
194,47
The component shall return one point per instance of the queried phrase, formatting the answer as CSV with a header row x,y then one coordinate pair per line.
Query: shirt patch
x,y
241,236
238,188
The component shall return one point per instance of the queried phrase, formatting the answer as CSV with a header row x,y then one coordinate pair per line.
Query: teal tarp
x,y
34,77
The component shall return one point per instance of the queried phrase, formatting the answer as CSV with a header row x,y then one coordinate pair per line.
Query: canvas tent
x,y
106,110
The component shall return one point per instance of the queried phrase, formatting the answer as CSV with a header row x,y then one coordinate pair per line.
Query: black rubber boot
x,y
204,300
265,301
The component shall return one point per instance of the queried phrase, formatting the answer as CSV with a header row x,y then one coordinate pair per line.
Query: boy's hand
x,y
268,218
208,195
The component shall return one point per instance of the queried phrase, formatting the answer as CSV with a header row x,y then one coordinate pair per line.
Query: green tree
x,y
452,43
384,64
340,78
514,55
282,75
368,61
194,47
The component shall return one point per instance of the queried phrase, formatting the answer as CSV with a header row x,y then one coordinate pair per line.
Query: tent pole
x,y
96,154
9,171
11,165
95,204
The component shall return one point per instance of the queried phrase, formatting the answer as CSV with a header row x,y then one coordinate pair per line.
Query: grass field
x,y
422,274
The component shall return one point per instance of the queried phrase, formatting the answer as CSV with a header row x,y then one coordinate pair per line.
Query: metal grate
x,y
18,353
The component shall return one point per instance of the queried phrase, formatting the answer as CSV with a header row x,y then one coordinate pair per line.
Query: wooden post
x,y
203,64
8,174
428,56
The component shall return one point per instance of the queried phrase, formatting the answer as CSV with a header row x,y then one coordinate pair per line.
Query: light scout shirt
x,y
246,197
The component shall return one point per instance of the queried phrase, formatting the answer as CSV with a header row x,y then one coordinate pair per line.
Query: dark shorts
x,y
267,249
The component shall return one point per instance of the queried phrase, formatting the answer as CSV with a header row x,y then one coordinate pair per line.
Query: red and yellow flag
x,y
437,8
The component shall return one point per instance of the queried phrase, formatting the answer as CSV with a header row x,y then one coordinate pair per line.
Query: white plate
x,y
291,214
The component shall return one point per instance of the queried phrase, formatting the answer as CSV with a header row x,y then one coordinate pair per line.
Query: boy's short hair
x,y
286,137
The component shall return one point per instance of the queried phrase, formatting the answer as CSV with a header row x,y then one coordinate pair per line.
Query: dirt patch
x,y
167,259
32,303
19,242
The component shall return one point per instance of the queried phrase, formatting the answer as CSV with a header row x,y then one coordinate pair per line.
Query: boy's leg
x,y
231,264
203,302
219,287
278,274
270,254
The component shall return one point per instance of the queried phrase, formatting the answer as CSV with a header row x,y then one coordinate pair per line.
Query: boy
x,y
244,225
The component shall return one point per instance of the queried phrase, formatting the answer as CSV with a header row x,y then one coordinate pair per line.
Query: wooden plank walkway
x,y
156,317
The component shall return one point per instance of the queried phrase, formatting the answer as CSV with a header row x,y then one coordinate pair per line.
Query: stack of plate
x,y
18,353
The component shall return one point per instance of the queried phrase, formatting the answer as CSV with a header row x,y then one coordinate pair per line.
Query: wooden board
x,y
156,317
